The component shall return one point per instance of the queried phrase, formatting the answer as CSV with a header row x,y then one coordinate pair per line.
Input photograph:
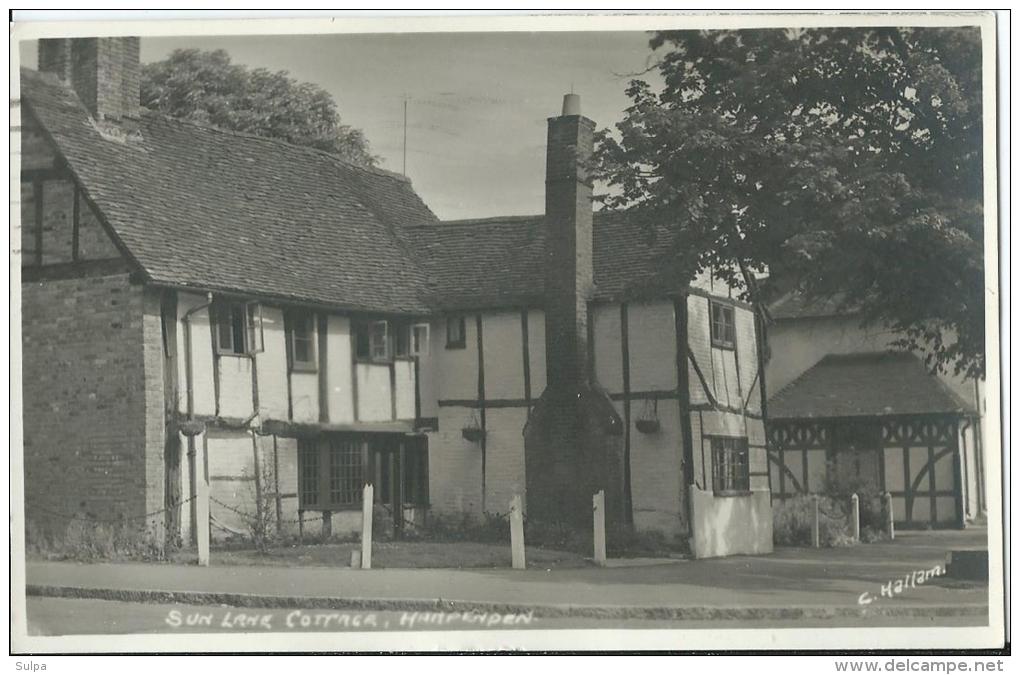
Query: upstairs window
x,y
724,329
379,340
372,341
238,327
455,333
730,472
300,328
411,340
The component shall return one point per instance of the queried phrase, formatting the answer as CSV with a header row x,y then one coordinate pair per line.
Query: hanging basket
x,y
648,422
473,434
473,431
647,426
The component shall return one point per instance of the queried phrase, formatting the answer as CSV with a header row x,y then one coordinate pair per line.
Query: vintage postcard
x,y
609,332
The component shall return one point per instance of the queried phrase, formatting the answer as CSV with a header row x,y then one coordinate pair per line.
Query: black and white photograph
x,y
541,333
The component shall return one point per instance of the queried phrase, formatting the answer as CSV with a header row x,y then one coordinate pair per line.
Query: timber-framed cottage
x,y
199,304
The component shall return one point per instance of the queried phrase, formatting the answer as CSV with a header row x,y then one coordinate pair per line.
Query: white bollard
x,y
889,515
855,517
598,507
517,533
816,539
367,500
202,504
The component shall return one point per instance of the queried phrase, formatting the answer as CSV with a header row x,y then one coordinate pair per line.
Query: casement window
x,y
300,328
730,471
333,470
372,341
332,473
724,329
238,327
411,340
455,337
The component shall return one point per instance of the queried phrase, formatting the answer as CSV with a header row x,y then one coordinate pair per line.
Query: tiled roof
x,y
499,261
795,305
873,383
211,209
217,210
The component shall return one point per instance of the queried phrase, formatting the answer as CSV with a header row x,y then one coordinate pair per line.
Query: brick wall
x,y
105,72
93,397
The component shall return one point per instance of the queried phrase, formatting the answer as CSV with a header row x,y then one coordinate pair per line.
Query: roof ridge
x,y
385,173
53,79
489,220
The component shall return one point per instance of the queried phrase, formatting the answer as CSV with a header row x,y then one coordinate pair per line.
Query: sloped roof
x,y
500,261
795,305
218,210
866,384
211,209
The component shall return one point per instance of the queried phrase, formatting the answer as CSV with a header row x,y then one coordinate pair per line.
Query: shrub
x,y
87,540
792,521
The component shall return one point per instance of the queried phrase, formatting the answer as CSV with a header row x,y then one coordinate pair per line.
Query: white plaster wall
x,y
304,396
428,376
272,366
652,346
201,355
731,525
404,372
231,464
455,466
655,471
235,386
339,365
504,457
374,403
699,343
502,353
607,348
457,371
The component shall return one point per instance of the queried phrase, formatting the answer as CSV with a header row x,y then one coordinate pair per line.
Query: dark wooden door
x,y
857,453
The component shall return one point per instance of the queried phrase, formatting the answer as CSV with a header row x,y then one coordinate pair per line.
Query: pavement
x,y
790,584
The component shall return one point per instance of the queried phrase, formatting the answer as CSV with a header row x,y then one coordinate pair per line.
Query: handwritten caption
x,y
897,586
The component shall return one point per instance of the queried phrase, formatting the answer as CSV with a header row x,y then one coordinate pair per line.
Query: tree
x,y
846,160
205,87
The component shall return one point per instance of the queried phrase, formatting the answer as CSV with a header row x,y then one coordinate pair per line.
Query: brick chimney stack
x,y
104,72
569,277
573,439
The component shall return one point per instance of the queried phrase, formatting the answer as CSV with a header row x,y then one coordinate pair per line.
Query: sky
x,y
477,102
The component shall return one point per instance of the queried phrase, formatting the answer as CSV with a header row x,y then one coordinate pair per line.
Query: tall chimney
x,y
104,72
573,439
568,265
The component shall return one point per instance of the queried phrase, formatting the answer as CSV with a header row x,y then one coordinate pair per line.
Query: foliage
x,y
846,160
793,521
205,87
84,540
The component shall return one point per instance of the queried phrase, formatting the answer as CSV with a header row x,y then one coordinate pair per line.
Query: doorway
x,y
855,464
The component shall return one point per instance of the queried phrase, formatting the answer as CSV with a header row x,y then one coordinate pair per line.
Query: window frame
x,y
461,342
291,320
362,333
722,341
244,319
726,483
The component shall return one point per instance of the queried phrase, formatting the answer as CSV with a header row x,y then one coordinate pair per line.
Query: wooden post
x,y
327,525
202,503
816,539
517,533
301,526
855,516
355,559
598,507
889,516
367,500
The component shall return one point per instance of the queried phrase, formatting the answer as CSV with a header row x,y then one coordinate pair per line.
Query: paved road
x,y
788,578
59,616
